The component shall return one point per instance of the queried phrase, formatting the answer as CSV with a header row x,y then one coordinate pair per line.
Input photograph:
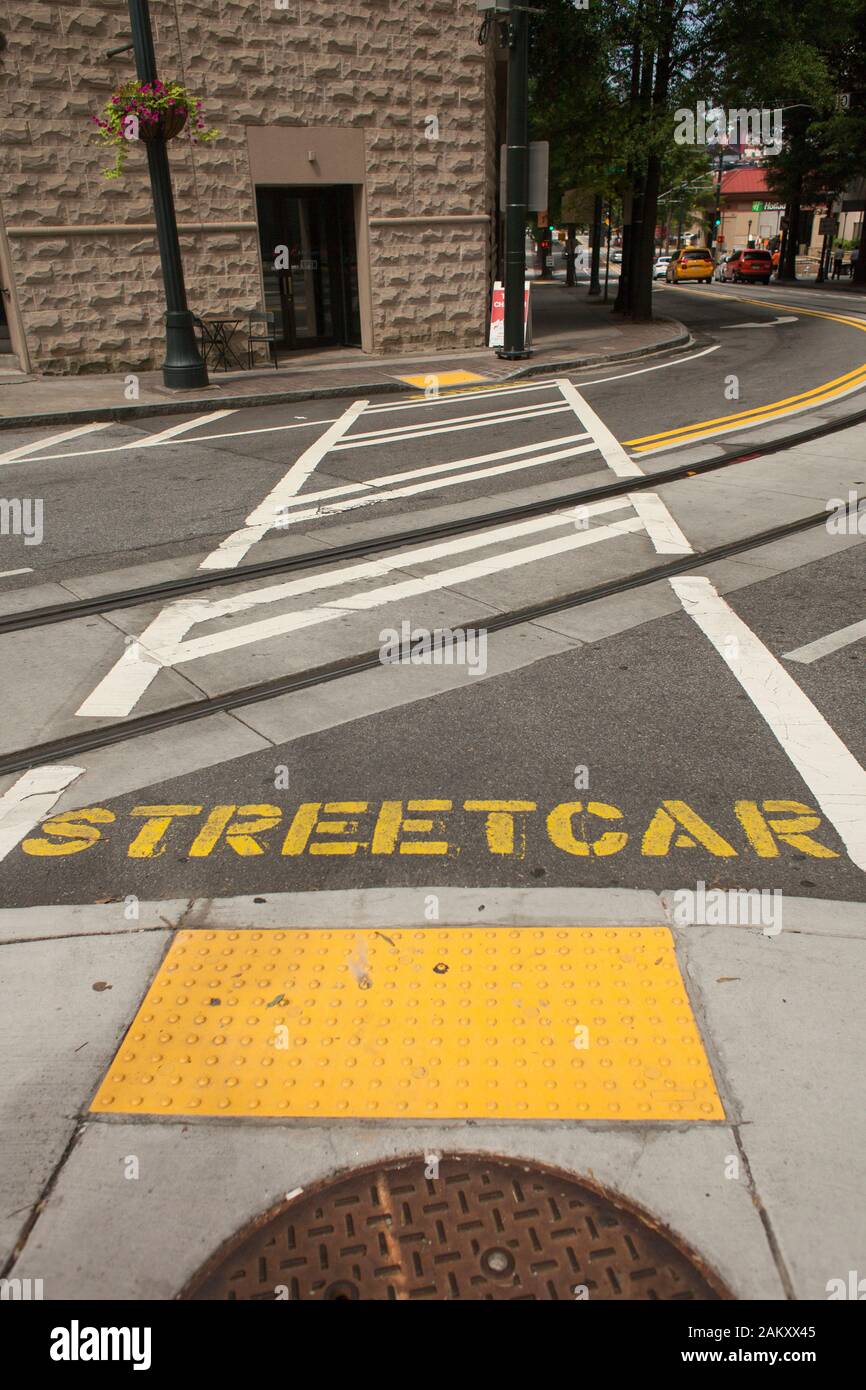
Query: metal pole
x,y
609,230
718,213
569,254
516,183
594,285
183,366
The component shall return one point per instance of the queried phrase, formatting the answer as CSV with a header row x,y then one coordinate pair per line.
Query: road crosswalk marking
x,y
833,642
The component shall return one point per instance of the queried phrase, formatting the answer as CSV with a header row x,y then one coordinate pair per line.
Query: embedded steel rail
x,y
75,744
174,588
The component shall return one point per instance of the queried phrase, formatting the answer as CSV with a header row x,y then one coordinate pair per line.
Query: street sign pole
x,y
516,182
183,366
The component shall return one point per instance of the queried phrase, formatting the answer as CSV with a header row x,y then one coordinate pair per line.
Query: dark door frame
x,y
335,231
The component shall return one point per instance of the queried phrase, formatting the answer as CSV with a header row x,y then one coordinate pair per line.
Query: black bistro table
x,y
218,331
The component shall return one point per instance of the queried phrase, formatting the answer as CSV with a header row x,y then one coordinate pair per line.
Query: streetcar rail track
x,y
51,614
73,745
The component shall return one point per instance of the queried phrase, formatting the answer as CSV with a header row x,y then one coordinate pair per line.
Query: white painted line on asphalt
x,y
499,413
431,469
368,498
131,445
663,531
122,687
365,600
374,409
659,367
129,678
823,646
766,323
231,551
401,433
13,455
825,764
29,800
7,574
612,451
377,569
174,430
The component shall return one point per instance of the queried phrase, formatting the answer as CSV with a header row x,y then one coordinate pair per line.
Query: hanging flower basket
x,y
170,124
148,111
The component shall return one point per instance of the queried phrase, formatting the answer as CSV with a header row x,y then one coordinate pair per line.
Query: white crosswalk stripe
x,y
166,640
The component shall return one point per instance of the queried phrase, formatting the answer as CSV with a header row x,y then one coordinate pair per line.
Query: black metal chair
x,y
267,319
205,337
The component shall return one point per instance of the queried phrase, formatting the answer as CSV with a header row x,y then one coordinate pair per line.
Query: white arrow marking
x,y
789,318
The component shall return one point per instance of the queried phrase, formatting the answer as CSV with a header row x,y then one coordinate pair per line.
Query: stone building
x,y
361,135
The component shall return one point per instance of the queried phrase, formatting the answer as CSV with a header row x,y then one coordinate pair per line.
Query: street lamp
x,y
514,28
183,366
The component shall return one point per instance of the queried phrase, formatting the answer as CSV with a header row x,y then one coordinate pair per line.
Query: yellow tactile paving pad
x,y
548,1023
458,378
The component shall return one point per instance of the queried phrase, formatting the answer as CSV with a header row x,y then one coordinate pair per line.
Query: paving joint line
x,y
772,1240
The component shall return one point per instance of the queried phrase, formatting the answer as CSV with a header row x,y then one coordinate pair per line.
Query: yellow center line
x,y
771,409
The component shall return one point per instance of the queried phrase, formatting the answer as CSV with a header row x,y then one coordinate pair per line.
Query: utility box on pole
x,y
538,177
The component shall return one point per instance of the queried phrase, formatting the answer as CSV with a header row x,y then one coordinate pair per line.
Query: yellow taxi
x,y
694,263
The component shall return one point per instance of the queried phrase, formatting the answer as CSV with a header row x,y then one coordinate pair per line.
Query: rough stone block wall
x,y
94,301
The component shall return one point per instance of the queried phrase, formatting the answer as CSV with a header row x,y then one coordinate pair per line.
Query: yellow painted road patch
x,y
553,1023
440,379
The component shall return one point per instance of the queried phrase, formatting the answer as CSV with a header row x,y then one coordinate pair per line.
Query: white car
x,y
661,266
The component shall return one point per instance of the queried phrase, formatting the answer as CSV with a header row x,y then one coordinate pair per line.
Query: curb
x,y
358,909
116,413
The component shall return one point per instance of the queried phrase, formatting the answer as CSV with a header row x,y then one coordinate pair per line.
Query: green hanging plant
x,y
148,111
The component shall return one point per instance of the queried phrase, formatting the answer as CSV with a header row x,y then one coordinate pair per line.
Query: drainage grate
x,y
480,1229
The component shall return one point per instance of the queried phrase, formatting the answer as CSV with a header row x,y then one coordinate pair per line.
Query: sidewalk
x,y
568,331
744,1187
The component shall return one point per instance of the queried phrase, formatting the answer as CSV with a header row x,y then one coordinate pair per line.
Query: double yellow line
x,y
789,405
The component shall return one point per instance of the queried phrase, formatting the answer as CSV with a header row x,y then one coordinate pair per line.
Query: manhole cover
x,y
480,1229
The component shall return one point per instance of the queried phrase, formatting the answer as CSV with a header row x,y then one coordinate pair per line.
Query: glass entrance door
x,y
309,265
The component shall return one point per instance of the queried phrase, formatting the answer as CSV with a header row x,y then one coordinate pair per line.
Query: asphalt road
x,y
625,743
114,498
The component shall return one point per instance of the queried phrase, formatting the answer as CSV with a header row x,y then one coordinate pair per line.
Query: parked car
x,y
695,263
616,257
747,266
661,266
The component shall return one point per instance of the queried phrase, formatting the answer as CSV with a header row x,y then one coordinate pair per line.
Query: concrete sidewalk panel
x,y
65,1006
102,1236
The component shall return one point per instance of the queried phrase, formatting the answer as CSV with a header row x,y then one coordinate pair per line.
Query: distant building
x,y
361,136
751,216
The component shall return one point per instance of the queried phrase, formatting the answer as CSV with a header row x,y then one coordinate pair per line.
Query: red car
x,y
749,265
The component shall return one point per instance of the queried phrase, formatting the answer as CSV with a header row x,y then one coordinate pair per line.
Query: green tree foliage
x,y
607,80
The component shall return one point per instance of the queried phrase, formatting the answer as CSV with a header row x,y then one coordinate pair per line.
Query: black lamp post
x,y
183,366
516,182
513,19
